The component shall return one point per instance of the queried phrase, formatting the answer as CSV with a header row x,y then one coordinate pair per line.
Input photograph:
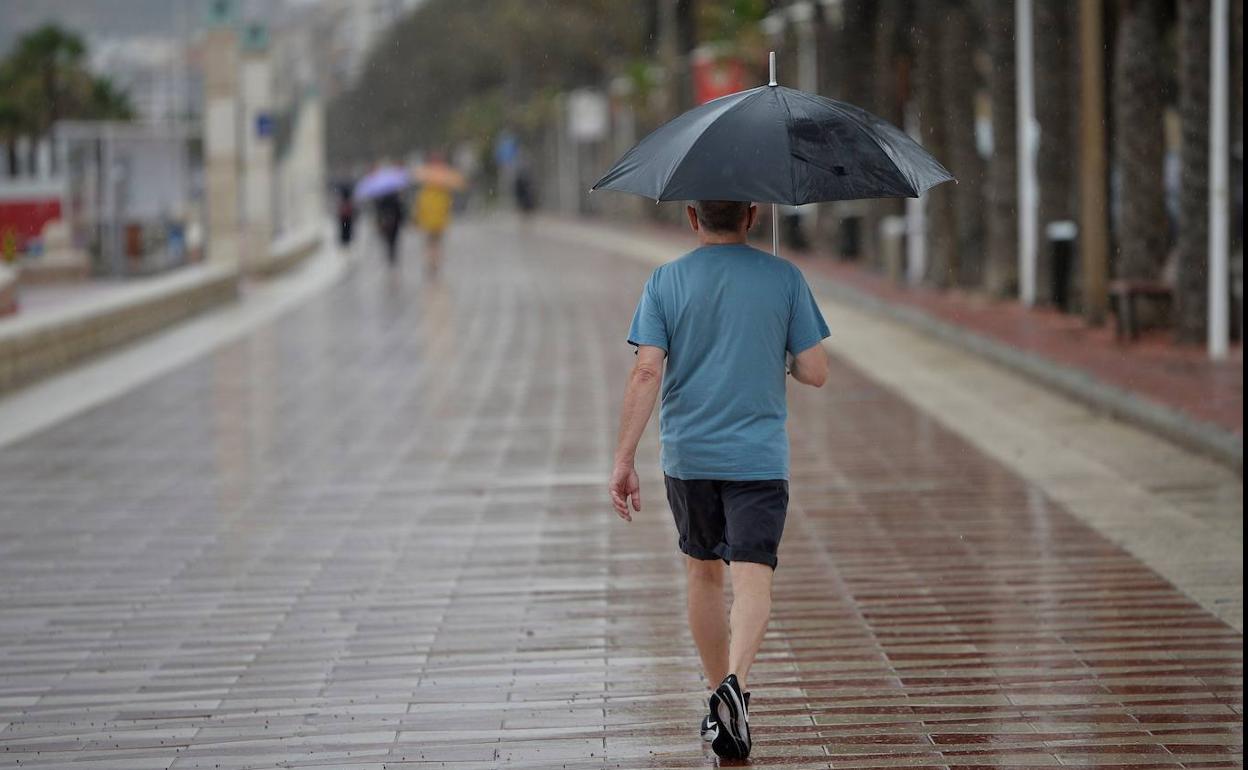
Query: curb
x,y
1172,424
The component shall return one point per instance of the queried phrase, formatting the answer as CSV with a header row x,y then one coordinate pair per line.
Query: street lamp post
x,y
1219,160
1024,66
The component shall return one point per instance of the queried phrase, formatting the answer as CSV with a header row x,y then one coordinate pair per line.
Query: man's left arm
x,y
639,397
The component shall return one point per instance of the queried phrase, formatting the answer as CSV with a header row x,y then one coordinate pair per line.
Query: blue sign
x,y
264,124
506,150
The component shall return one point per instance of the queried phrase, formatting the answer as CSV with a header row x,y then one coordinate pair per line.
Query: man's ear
x,y
752,219
693,217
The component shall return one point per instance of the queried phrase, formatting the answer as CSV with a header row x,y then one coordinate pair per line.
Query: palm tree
x,y
44,79
1056,95
1191,277
928,73
1001,271
959,35
1138,140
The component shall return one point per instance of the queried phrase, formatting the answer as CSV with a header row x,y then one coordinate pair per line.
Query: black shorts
x,y
729,520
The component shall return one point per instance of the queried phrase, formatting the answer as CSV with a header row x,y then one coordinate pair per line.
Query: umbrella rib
x,y
788,137
676,166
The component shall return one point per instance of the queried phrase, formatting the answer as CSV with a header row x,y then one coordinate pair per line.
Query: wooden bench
x,y
1123,294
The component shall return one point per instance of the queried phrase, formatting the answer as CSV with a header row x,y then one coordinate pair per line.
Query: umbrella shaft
x,y
775,229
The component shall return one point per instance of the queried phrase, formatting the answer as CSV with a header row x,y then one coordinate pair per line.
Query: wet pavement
x,y
374,534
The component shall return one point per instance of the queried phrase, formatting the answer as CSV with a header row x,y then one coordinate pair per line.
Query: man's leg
x,y
751,608
708,622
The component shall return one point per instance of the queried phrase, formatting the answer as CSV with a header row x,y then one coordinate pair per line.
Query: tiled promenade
x,y
374,534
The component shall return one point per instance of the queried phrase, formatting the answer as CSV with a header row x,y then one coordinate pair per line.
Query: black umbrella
x,y
775,145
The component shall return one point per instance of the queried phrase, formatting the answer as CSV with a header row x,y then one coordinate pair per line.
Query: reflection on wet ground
x,y
375,534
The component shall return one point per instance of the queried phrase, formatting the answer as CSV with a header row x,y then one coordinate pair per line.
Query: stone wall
x,y
31,348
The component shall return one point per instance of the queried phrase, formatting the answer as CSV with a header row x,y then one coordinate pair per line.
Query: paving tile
x,y
372,533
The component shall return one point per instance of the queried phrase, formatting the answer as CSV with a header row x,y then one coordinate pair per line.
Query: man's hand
x,y
639,398
623,487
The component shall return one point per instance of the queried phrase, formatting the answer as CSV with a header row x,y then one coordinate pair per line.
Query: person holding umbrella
x,y
384,186
725,317
714,332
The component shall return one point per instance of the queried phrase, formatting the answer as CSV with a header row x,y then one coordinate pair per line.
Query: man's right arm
x,y
639,398
810,367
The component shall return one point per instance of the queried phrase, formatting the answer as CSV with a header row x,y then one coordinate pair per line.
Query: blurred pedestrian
x,y
384,186
526,197
726,317
439,181
346,213
389,212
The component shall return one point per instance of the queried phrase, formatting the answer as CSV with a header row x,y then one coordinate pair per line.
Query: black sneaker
x,y
731,709
710,728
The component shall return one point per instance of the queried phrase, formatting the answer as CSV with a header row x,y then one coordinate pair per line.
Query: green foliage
x,y
459,70
45,79
731,20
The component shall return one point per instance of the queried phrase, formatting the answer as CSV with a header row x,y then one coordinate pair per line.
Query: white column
x,y
257,98
221,149
803,15
43,158
1027,232
315,175
1219,199
916,217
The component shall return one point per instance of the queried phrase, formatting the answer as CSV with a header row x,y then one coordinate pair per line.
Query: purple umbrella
x,y
386,180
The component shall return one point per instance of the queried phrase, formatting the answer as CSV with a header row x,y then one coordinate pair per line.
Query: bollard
x,y
851,238
893,246
1061,237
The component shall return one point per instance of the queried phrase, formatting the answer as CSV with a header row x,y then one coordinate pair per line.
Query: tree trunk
x,y
1057,95
829,38
1139,142
857,54
890,62
959,83
928,73
1191,291
1001,270
858,43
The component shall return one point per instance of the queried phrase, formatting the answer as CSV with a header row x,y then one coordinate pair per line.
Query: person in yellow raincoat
x,y
439,182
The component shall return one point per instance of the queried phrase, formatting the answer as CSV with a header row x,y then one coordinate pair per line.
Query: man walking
x,y
726,317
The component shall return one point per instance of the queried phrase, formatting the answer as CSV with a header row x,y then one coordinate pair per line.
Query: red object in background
x,y
27,216
716,76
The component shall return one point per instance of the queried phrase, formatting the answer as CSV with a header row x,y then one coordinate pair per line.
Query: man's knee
x,y
704,570
747,574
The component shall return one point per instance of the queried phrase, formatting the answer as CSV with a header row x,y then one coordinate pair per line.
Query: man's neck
x,y
721,239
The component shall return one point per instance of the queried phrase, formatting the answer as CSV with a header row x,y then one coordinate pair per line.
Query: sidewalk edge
x,y
1169,423
40,404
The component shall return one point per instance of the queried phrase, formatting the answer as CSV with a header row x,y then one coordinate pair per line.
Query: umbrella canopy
x,y
382,181
775,145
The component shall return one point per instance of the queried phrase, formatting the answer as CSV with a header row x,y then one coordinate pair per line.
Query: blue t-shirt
x,y
726,315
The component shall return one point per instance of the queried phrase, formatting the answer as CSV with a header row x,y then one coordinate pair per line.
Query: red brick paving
x,y
374,534
1180,377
